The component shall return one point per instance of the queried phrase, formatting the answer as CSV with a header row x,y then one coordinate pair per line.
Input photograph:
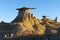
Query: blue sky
x,y
50,8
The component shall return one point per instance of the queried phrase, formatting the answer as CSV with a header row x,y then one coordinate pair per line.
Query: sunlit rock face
x,y
27,27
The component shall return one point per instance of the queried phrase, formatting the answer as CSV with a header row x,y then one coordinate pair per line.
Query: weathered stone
x,y
27,27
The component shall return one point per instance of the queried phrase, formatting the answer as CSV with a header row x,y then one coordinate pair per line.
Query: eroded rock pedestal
x,y
27,23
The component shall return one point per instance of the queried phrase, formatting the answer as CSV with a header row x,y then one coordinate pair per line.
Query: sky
x,y
49,8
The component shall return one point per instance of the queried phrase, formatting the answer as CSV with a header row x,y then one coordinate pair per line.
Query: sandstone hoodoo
x,y
23,13
27,27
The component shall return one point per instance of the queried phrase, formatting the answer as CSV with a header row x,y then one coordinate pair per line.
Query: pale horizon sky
x,y
49,8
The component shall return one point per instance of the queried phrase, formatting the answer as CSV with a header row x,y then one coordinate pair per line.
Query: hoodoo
x,y
23,13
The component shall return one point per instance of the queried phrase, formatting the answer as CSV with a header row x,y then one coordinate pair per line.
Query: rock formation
x,y
27,27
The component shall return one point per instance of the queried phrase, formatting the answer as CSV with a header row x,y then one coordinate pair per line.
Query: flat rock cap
x,y
24,8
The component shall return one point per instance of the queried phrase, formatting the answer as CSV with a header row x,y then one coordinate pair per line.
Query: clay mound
x,y
26,28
